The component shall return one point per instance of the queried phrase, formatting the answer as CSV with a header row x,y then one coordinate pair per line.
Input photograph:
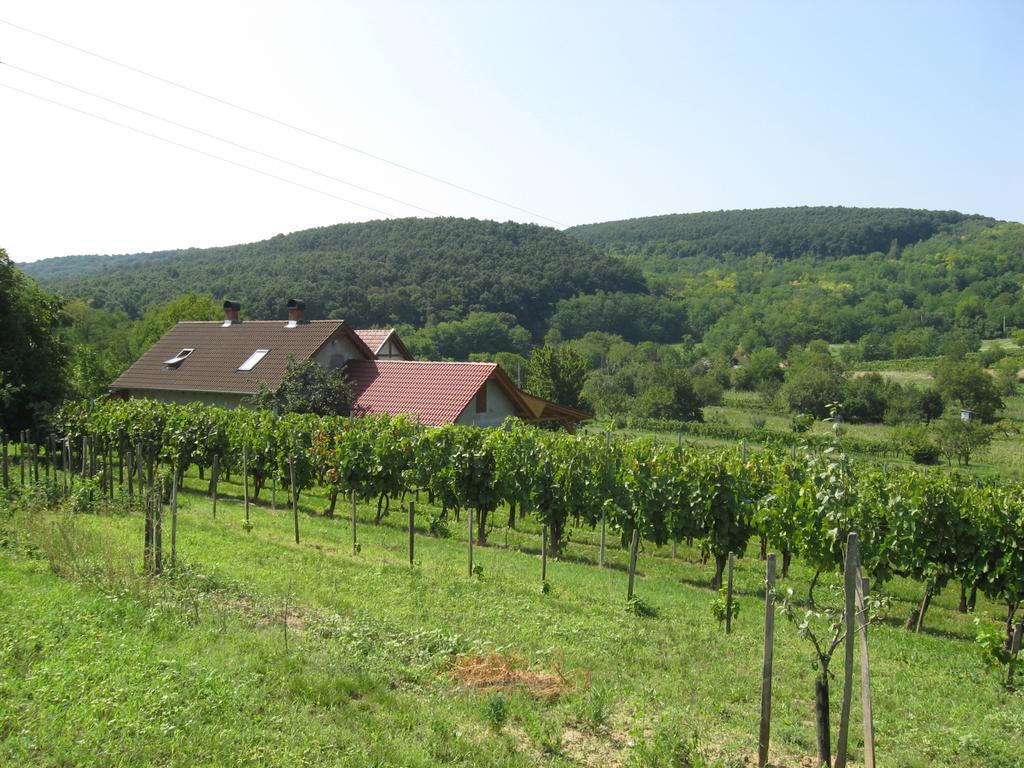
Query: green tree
x,y
307,388
1007,376
968,384
959,439
161,318
557,374
33,355
814,380
762,369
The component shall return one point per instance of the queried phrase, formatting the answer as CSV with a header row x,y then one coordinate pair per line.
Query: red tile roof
x,y
435,392
219,350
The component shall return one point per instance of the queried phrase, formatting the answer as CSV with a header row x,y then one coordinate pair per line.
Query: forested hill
x,y
415,271
784,233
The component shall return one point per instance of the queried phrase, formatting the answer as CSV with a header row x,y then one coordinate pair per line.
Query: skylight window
x,y
179,358
254,359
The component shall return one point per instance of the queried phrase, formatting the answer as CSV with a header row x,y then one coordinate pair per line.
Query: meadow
x,y
255,650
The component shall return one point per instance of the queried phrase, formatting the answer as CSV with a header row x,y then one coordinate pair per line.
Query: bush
x,y
801,422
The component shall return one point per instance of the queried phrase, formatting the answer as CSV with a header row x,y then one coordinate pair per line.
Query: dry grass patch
x,y
494,672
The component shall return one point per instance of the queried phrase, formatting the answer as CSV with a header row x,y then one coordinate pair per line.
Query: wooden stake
x,y
728,594
850,582
355,546
245,480
295,496
1015,641
600,556
7,475
158,525
174,517
214,478
412,531
865,675
766,670
632,563
469,524
543,553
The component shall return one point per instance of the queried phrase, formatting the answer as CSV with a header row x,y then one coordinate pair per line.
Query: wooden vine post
x,y
295,496
600,555
469,527
412,532
728,594
174,517
850,579
355,545
1015,641
543,553
148,515
158,524
6,471
245,481
766,669
632,563
214,478
865,674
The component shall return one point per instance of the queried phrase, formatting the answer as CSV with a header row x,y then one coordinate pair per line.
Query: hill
x,y
785,233
415,271
897,282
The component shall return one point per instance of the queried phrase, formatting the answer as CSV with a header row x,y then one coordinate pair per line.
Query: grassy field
x,y
259,651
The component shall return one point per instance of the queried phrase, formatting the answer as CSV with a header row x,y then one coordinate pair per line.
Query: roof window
x,y
179,358
254,359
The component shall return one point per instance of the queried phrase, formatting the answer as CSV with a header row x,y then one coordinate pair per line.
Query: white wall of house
x,y
390,351
336,353
499,408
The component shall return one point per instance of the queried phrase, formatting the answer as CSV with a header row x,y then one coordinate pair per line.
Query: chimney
x,y
296,312
231,310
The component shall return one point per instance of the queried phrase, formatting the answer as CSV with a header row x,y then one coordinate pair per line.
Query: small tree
x,y
959,439
556,373
307,388
970,386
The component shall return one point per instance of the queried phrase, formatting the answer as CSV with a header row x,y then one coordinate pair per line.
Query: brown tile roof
x,y
435,392
219,350
375,338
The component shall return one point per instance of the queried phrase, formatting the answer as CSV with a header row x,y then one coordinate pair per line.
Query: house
x,y
223,362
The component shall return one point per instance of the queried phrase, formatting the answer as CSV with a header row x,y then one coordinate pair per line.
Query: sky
x,y
559,113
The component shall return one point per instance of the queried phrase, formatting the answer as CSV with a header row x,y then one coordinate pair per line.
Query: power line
x,y
216,138
196,150
290,126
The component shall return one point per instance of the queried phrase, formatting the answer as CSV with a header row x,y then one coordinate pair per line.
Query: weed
x,y
496,710
720,610
637,607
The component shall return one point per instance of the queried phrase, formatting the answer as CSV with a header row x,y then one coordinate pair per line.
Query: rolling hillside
x,y
415,271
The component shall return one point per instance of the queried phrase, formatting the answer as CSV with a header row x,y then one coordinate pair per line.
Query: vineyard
x,y
933,527
915,527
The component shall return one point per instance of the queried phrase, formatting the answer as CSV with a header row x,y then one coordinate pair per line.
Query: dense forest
x,y
414,271
785,233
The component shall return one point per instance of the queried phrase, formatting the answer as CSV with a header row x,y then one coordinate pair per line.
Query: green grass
x,y
101,667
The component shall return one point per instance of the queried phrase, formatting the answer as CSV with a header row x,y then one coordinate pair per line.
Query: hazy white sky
x,y
578,112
